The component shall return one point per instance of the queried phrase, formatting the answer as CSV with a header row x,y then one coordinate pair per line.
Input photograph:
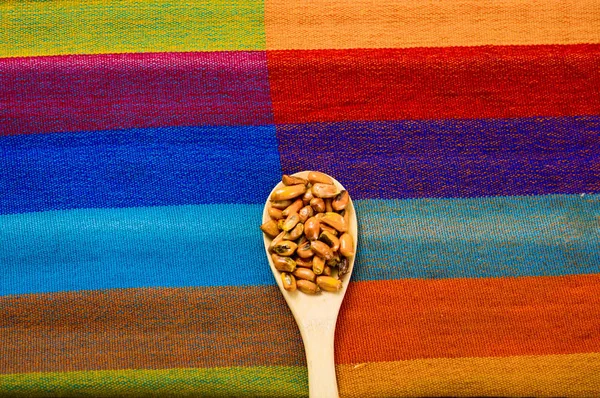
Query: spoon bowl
x,y
316,315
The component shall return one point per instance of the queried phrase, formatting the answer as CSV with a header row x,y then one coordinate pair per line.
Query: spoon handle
x,y
318,338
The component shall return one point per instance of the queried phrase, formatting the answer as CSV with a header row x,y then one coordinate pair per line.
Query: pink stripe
x,y
97,92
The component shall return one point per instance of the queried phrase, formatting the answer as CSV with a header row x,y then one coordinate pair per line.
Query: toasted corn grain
x,y
270,228
328,205
330,239
276,240
288,192
318,205
305,213
336,221
293,208
275,214
305,273
326,270
284,264
307,287
285,248
321,249
335,259
346,215
295,233
329,283
331,230
318,265
343,267
340,201
292,180
289,281
304,262
304,250
280,224
311,228
324,190
290,222
281,204
316,177
307,197
346,245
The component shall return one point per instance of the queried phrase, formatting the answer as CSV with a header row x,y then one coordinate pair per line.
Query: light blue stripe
x,y
212,245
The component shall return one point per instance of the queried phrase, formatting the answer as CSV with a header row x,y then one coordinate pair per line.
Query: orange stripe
x,y
340,24
409,319
553,375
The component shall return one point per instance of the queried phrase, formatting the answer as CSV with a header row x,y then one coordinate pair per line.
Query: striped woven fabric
x,y
139,140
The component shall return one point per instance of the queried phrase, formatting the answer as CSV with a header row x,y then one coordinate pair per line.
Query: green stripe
x,y
31,28
275,381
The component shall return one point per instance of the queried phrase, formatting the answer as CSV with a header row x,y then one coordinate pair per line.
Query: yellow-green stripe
x,y
32,28
274,381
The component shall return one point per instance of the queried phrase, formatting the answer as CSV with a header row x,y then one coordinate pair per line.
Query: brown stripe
x,y
251,326
325,24
410,319
553,375
148,329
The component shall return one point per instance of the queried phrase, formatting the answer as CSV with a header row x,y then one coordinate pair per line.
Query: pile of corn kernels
x,y
309,224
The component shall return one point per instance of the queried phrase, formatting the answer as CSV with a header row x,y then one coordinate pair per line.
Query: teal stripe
x,y
213,245
482,237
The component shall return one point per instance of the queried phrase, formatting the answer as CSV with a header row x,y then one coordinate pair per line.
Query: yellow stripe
x,y
29,28
325,24
551,375
272,381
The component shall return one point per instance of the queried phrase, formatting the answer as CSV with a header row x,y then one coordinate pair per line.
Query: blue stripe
x,y
137,167
213,245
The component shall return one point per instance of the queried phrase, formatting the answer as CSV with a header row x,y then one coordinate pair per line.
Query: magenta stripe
x,y
112,91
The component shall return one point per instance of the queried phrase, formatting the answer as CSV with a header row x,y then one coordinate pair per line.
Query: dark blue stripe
x,y
138,167
450,158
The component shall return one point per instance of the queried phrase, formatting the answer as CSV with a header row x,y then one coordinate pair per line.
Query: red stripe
x,y
435,83
409,319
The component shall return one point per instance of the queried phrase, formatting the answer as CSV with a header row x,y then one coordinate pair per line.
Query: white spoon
x,y
316,315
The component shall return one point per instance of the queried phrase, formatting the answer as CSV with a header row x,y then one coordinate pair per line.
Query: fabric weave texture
x,y
139,141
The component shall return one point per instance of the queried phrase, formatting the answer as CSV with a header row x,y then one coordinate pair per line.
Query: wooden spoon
x,y
316,315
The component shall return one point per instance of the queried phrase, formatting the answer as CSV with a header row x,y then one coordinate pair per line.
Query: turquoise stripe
x,y
482,237
195,245
212,245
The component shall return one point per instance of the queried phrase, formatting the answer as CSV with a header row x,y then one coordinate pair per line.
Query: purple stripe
x,y
100,92
450,158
